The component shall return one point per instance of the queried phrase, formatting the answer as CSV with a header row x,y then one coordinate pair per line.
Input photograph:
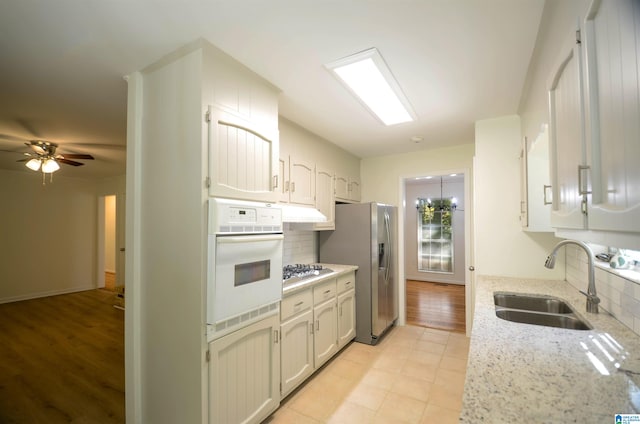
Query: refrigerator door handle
x,y
386,227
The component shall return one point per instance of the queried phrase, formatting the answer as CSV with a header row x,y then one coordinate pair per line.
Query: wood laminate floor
x,y
436,305
62,360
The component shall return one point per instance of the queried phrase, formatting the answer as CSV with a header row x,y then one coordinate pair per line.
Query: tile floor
x,y
414,375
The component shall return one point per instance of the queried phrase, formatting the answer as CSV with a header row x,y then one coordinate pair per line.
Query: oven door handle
x,y
249,239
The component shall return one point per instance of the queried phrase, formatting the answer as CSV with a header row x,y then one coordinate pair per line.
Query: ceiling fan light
x,y
33,164
49,166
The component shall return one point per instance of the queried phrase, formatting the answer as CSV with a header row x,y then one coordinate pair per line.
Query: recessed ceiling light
x,y
367,76
417,139
453,175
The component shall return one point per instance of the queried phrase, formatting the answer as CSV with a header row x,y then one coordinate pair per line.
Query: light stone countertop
x,y
534,374
338,270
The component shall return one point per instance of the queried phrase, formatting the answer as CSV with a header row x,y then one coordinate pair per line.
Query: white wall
x,y
48,235
311,147
501,247
167,262
382,175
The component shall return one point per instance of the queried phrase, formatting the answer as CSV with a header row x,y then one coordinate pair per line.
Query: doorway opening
x,y
107,243
435,251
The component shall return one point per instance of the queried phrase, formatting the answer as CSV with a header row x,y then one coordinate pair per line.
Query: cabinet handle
x,y
347,283
275,181
276,336
286,186
310,328
298,304
581,188
317,325
545,190
522,209
328,291
293,186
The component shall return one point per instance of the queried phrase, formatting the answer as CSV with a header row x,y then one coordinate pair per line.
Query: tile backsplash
x,y
618,295
300,247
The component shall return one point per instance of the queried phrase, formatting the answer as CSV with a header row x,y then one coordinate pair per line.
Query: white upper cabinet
x,y
612,41
535,206
325,198
296,181
243,157
347,188
567,139
243,137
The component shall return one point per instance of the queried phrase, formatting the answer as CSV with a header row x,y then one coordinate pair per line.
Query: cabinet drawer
x,y
324,291
346,282
295,303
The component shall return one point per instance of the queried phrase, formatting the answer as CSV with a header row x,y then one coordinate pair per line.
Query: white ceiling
x,y
457,61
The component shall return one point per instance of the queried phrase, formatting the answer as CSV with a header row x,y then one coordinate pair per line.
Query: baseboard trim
x,y
45,294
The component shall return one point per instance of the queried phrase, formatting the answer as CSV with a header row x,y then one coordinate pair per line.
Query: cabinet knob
x,y
472,268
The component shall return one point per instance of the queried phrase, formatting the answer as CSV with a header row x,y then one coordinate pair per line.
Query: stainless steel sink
x,y
537,303
569,321
538,310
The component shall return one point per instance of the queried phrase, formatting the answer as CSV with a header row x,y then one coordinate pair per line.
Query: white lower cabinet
x,y
244,372
326,332
346,317
297,341
315,324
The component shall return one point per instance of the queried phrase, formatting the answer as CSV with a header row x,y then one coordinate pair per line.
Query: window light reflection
x,y
602,349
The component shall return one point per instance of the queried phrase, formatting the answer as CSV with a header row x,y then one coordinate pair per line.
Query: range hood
x,y
292,213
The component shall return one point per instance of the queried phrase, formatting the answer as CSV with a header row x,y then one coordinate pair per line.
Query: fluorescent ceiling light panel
x,y
368,77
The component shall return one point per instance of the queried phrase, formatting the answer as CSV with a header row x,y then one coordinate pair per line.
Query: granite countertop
x,y
535,374
338,270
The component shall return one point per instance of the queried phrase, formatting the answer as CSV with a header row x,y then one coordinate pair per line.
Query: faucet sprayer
x,y
592,298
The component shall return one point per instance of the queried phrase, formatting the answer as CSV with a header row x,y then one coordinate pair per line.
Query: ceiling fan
x,y
44,157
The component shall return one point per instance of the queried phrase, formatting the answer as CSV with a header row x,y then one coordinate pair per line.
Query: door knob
x,y
472,268
122,249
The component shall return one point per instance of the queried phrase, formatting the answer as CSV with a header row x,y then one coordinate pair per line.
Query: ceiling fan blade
x,y
76,156
24,160
11,138
37,148
69,162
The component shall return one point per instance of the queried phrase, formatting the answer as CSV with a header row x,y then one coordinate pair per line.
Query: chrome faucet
x,y
592,298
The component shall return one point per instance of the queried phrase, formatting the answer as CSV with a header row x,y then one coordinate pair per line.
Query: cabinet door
x,y
243,158
297,351
568,157
354,189
538,193
302,176
342,187
325,198
325,333
612,31
281,183
346,317
244,374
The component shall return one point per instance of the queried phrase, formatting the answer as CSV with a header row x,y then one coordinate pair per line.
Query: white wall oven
x,y
244,264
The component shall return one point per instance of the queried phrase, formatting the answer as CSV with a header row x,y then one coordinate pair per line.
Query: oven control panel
x,y
227,216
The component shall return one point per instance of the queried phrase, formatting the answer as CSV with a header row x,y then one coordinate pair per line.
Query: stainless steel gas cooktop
x,y
299,272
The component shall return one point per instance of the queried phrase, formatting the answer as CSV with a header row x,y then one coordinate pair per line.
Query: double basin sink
x,y
538,310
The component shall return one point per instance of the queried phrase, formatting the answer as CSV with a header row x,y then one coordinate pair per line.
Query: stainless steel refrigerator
x,y
365,236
